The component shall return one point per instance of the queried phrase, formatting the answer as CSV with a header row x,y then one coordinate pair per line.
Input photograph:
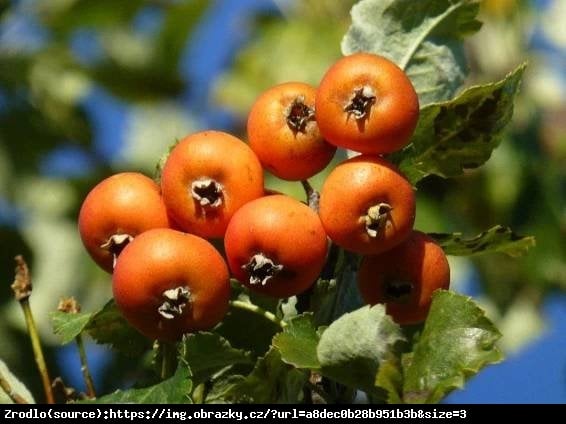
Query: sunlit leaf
x,y
352,347
457,341
68,326
298,341
461,133
423,37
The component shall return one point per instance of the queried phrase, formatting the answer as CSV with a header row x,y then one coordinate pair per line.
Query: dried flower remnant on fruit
x,y
398,291
299,114
174,303
115,244
360,103
261,269
69,305
207,192
22,281
376,219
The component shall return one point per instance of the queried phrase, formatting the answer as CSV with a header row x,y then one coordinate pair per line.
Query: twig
x,y
259,311
313,196
16,398
84,368
22,291
71,306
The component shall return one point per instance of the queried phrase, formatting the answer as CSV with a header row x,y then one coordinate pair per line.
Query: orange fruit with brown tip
x,y
276,246
366,103
366,205
167,283
404,278
207,177
283,132
115,211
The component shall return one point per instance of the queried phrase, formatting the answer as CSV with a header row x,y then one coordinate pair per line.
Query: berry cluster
x,y
169,280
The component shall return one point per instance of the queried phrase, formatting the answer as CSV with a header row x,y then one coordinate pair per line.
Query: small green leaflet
x,y
68,326
105,326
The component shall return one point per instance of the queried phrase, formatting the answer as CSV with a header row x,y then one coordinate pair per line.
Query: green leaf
x,y
69,326
173,390
456,342
423,38
244,329
298,341
222,389
496,239
271,381
351,348
390,379
207,353
461,133
108,326
16,386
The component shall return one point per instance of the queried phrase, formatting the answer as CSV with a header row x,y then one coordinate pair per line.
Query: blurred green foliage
x,y
44,84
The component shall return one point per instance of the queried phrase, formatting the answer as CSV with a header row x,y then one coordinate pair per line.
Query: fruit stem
x,y
22,291
247,306
313,196
168,359
16,398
